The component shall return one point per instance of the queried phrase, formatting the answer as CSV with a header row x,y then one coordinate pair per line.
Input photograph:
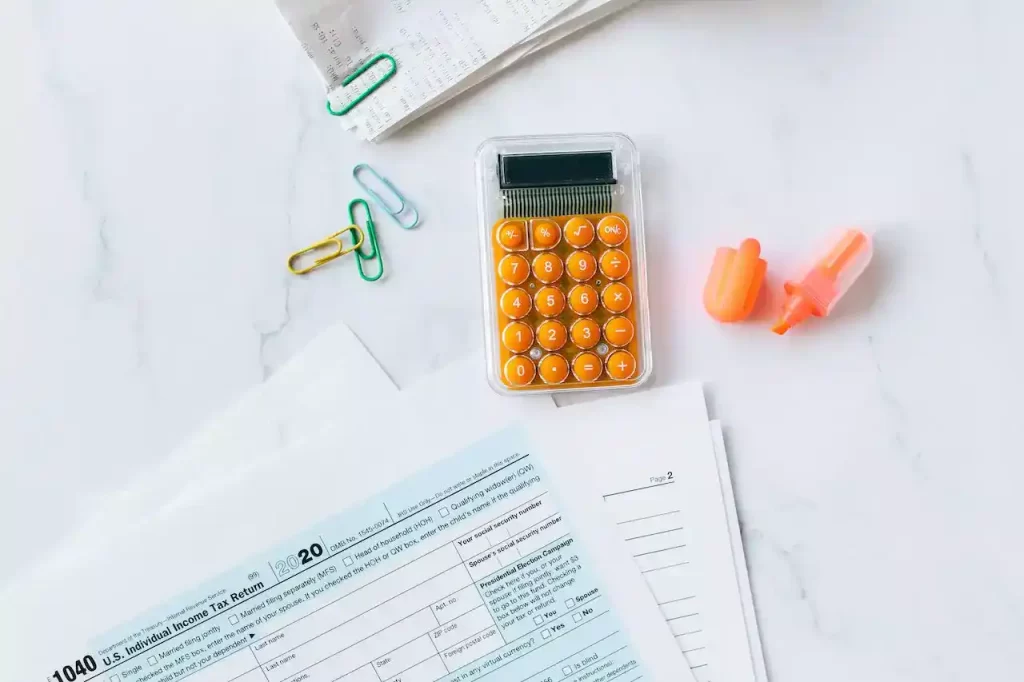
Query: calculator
x,y
565,296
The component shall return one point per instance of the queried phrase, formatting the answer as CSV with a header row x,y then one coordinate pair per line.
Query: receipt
x,y
437,45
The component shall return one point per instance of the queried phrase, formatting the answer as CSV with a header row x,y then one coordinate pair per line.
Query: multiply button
x,y
616,297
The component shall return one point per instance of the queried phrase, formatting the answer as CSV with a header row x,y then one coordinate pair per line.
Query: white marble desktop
x,y
160,159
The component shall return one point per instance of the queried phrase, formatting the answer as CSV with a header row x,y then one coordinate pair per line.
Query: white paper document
x,y
441,48
666,495
477,566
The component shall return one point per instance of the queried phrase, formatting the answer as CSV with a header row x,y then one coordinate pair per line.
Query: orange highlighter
x,y
828,279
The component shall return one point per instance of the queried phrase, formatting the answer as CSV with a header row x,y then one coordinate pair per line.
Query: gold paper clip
x,y
334,247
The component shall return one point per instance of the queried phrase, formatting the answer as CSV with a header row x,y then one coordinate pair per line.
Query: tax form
x,y
475,567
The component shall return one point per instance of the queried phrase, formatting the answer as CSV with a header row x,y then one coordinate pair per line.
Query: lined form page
x,y
652,522
669,500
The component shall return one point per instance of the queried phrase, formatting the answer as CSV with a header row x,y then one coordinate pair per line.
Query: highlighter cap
x,y
734,282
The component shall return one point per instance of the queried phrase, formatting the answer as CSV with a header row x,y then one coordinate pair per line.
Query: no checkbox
x,y
546,634
577,617
347,561
115,678
233,620
443,511
569,603
567,671
151,660
538,620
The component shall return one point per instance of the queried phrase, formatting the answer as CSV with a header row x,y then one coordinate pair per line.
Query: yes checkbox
x,y
569,603
233,620
443,511
577,617
151,660
567,671
347,561
538,620
546,634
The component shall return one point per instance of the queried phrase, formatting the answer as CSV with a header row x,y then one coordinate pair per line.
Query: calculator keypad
x,y
565,294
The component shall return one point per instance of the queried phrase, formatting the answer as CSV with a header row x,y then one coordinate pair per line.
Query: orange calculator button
x,y
515,303
545,233
616,297
579,232
553,369
517,337
548,268
621,365
586,367
618,331
512,235
519,370
585,333
583,299
612,230
551,335
614,264
513,269
550,301
581,265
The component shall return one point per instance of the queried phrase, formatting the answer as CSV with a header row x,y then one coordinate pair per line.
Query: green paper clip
x,y
383,56
404,205
371,238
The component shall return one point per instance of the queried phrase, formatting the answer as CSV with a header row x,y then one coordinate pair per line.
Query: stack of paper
x,y
354,550
442,47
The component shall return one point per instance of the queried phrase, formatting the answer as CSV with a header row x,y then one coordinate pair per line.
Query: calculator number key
x,y
515,303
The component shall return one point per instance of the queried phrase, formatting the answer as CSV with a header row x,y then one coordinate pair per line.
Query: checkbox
x,y
546,634
577,617
569,603
233,620
151,660
567,671
347,561
538,620
115,678
443,511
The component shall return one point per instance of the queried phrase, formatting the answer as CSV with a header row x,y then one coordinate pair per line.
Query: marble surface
x,y
159,161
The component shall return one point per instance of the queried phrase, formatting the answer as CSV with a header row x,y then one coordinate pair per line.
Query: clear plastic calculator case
x,y
563,263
